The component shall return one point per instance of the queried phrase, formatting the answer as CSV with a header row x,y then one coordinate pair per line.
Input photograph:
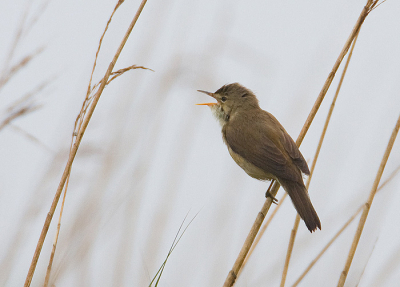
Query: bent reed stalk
x,y
230,280
76,145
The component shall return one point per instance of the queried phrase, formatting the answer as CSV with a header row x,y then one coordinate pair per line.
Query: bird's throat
x,y
220,114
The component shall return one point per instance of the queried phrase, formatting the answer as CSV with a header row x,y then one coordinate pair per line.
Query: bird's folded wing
x,y
294,152
257,148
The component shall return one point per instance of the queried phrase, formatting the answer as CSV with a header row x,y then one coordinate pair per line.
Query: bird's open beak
x,y
207,104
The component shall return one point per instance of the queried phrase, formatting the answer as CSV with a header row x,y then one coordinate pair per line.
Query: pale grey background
x,y
150,155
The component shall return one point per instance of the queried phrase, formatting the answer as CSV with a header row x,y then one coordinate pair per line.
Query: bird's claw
x,y
268,194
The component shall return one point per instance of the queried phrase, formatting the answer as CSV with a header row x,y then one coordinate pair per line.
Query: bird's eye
x,y
223,99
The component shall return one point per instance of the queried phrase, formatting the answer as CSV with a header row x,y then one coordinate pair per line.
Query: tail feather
x,y
301,201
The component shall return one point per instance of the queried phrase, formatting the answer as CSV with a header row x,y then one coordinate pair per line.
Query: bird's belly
x,y
250,168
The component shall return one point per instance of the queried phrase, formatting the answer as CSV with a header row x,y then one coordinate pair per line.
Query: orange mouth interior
x,y
206,104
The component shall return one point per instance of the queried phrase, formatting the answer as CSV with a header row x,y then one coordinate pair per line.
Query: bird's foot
x,y
268,194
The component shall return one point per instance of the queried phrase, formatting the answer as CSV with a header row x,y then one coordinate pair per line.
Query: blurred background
x,y
150,156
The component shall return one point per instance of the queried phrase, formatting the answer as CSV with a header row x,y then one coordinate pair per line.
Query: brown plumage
x,y
260,145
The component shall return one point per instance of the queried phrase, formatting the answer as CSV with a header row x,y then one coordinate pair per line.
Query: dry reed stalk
x,y
79,135
314,162
19,113
347,223
327,246
30,137
7,73
14,45
18,66
23,105
230,280
28,97
89,90
53,251
80,117
261,232
289,251
367,205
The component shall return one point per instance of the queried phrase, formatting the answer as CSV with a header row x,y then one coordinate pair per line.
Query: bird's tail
x,y
299,196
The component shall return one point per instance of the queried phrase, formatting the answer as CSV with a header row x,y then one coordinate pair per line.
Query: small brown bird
x,y
260,145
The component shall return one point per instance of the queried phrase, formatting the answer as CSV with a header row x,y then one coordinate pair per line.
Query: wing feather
x,y
271,150
294,152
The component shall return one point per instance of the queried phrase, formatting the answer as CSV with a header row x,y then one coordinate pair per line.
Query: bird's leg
x,y
268,194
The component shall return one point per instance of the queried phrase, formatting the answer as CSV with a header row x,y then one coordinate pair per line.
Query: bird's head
x,y
231,99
